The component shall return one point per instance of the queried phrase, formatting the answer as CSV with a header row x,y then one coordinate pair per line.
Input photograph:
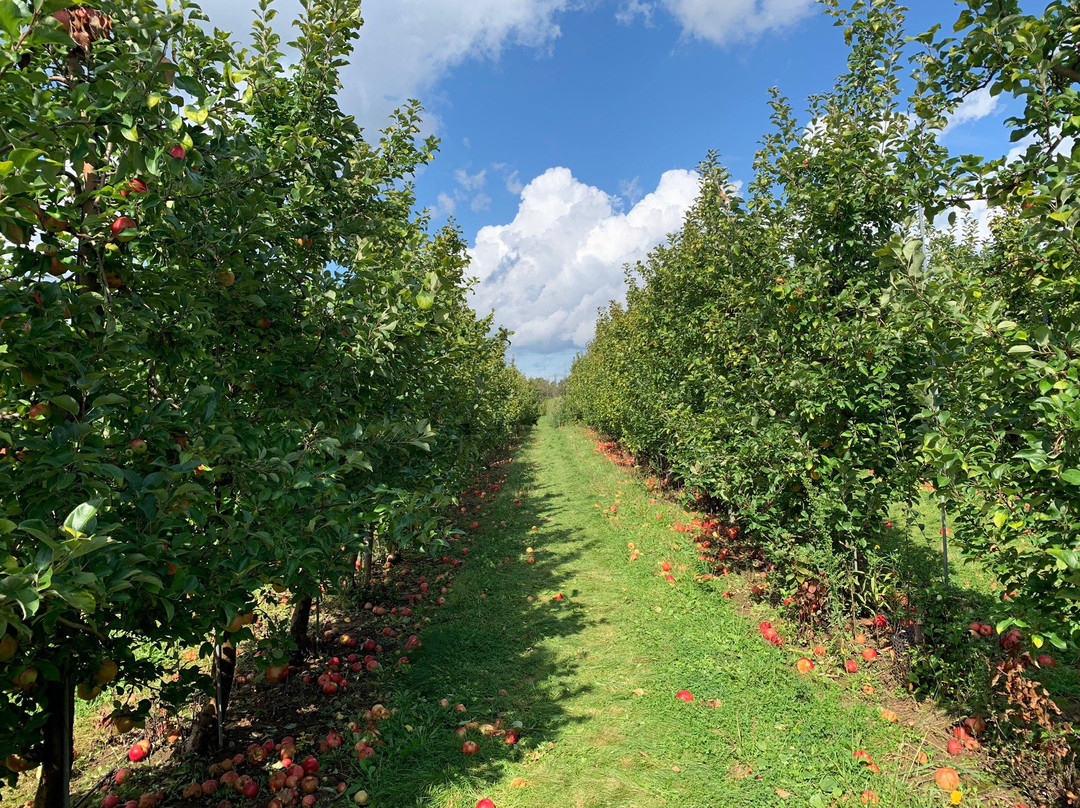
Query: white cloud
x,y
630,190
471,182
561,258
514,184
632,9
480,202
725,21
976,220
406,46
973,108
446,205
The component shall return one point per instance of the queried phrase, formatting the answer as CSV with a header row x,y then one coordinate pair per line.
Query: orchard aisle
x,y
592,677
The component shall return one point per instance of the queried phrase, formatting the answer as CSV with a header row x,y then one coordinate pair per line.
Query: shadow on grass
x,y
952,666
485,650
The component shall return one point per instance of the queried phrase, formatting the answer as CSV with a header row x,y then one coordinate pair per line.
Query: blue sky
x,y
570,128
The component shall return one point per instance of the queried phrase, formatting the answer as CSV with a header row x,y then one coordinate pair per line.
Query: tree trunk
x,y
365,572
224,669
298,627
54,785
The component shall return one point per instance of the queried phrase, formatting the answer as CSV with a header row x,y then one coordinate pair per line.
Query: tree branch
x,y
1067,72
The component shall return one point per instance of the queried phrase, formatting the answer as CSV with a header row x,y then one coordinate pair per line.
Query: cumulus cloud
x,y
722,21
406,46
975,107
548,271
632,9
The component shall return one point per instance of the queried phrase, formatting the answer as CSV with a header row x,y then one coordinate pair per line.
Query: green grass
x,y
593,678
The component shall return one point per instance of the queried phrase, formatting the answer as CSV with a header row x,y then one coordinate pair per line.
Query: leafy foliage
x,y
811,354
229,351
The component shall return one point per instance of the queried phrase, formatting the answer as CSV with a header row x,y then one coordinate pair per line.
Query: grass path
x,y
592,677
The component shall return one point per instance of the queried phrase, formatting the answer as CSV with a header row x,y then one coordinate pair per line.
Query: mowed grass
x,y
592,678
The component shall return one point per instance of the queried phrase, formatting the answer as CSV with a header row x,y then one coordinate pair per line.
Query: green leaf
x,y
12,17
66,403
80,518
1071,476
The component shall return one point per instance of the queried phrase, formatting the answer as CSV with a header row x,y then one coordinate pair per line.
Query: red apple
x,y
178,151
851,666
685,695
470,747
124,228
139,751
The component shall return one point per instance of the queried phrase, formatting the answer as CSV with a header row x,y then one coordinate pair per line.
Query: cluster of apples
x,y
293,783
614,452
334,679
965,735
769,633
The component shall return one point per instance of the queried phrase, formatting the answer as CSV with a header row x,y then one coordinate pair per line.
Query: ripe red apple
x,y
310,764
955,746
485,803
685,695
804,665
110,801
135,186
251,788
138,446
1011,640
139,751
851,666
309,784
470,747
869,654
209,787
124,228
178,151
1045,661
121,776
